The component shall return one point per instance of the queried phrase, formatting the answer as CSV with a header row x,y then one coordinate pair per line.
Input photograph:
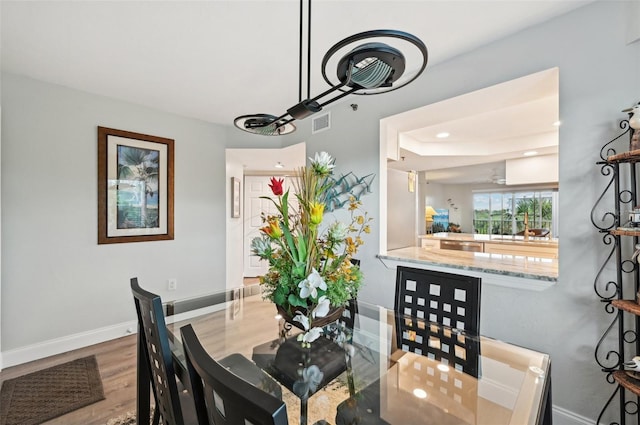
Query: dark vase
x,y
334,314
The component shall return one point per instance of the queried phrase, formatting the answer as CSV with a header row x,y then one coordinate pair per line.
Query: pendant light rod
x,y
300,50
300,57
309,50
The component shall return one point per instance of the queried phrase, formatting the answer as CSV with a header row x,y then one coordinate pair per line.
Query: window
x,y
503,213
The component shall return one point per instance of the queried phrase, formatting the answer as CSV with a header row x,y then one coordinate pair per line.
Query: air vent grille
x,y
321,123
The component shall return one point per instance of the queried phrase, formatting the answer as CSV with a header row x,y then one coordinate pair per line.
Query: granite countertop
x,y
545,269
503,239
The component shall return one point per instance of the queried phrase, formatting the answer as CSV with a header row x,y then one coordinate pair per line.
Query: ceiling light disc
x,y
368,53
264,125
387,44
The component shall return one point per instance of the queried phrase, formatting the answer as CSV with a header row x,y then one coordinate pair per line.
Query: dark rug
x,y
39,396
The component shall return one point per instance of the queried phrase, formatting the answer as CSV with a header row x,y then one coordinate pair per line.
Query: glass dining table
x,y
373,367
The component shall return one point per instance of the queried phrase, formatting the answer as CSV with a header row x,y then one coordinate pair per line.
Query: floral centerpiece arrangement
x,y
310,268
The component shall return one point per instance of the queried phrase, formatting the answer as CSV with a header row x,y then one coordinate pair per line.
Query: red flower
x,y
276,186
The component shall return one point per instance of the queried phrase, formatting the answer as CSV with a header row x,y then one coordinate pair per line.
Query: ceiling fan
x,y
496,178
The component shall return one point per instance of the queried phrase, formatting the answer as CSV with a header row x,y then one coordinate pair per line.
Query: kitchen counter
x,y
504,239
519,271
493,244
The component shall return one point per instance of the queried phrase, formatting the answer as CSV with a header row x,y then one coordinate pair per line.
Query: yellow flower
x,y
317,210
367,229
351,247
273,229
360,219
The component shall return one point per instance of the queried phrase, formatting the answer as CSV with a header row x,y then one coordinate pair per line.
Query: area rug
x,y
43,395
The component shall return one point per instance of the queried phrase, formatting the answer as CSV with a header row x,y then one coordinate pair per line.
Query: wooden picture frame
x,y
135,187
235,197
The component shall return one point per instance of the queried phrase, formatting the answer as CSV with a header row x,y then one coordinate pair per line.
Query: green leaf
x,y
299,269
285,208
302,249
296,301
279,297
292,246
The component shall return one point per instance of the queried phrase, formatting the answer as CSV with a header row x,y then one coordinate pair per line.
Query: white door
x,y
254,188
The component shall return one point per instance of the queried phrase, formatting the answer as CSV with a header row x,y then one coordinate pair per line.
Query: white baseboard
x,y
83,339
67,343
566,417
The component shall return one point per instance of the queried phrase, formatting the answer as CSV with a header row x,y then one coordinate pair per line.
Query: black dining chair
x,y
155,364
452,302
450,299
224,398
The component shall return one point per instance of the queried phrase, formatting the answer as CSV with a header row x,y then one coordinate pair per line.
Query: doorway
x,y
258,163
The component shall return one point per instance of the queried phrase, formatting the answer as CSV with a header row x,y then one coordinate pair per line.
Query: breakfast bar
x,y
511,261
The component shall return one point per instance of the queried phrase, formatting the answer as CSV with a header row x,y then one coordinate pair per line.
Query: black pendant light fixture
x,y
369,68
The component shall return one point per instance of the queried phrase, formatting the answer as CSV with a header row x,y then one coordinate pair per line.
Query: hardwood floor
x,y
117,364
117,358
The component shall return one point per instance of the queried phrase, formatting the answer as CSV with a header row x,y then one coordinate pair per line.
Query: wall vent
x,y
321,123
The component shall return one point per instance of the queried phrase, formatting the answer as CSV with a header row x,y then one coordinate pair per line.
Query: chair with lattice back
x,y
447,299
224,398
156,358
424,296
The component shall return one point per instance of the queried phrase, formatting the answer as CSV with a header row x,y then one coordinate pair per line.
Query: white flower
x,y
322,163
302,319
322,308
308,337
309,286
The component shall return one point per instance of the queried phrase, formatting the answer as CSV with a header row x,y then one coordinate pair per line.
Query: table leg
x,y
546,416
303,411
548,411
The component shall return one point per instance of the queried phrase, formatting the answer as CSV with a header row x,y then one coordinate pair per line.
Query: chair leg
x,y
143,377
156,416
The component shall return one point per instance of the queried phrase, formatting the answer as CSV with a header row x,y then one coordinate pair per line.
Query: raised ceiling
x,y
485,128
215,60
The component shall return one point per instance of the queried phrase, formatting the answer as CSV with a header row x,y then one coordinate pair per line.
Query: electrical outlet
x,y
172,284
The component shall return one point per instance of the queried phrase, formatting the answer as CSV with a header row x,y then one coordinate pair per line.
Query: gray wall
x,y
401,211
56,281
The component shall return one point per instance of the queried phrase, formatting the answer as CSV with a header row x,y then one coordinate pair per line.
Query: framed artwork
x,y
135,187
235,197
440,220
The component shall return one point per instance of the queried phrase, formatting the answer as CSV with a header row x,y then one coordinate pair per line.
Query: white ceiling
x,y
485,127
215,60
